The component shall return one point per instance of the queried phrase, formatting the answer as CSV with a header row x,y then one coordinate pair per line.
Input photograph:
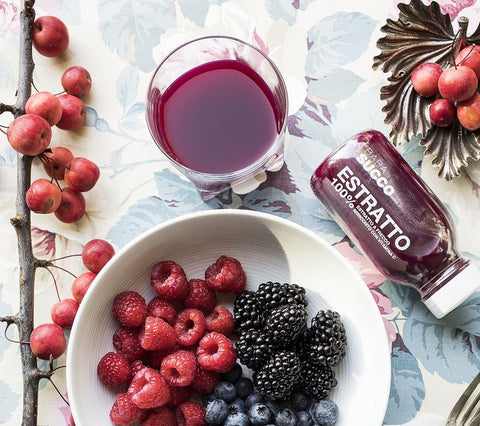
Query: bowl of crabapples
x,y
453,90
175,320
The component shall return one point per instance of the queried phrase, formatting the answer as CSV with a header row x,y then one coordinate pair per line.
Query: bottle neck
x,y
432,284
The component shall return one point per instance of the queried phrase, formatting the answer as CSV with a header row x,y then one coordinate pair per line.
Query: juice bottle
x,y
395,219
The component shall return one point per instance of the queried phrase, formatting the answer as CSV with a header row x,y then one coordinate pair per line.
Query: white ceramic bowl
x,y
270,249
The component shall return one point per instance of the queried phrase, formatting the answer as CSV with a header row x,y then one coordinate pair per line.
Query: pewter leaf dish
x,y
422,33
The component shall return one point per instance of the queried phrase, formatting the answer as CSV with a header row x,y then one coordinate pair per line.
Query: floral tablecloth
x,y
325,51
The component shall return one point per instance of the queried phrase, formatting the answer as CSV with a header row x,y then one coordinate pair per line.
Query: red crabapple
x,y
81,174
43,196
29,134
425,78
56,160
63,312
72,206
468,112
442,113
96,253
81,285
50,36
470,57
457,84
45,105
74,112
76,80
48,340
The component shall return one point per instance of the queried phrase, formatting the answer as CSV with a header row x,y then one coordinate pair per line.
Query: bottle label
x,y
366,207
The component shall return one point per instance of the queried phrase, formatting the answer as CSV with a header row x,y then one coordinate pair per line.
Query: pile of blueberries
x,y
234,401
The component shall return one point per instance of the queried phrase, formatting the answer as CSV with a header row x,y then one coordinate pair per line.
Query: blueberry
x,y
236,419
233,374
226,391
286,417
304,418
244,387
259,414
273,406
216,412
253,398
324,412
238,405
300,401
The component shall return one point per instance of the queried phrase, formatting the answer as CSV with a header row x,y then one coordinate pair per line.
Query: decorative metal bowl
x,y
423,33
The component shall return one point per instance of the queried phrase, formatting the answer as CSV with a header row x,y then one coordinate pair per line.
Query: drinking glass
x,y
172,125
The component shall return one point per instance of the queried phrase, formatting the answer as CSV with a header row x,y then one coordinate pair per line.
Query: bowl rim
x,y
268,217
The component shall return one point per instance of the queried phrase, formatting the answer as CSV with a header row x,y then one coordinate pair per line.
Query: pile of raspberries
x,y
172,346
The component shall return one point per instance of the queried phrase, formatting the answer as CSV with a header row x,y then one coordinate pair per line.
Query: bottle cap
x,y
454,292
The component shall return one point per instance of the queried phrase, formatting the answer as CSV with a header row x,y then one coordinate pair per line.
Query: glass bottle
x,y
392,216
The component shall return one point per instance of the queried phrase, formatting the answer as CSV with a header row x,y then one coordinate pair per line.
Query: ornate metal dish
x,y
424,34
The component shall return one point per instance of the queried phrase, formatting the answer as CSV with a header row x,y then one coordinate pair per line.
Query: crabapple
x,y
63,312
81,174
48,341
468,112
457,84
29,134
76,80
45,105
56,160
43,196
50,36
81,284
470,57
96,253
425,78
74,112
72,206
442,113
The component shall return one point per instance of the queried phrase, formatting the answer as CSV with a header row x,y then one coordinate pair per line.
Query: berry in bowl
x,y
175,313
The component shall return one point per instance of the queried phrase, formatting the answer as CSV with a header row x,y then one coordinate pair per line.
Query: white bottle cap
x,y
454,292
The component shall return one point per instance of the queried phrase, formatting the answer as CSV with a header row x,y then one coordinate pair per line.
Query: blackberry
x,y
326,341
254,348
285,323
318,380
273,294
278,376
247,313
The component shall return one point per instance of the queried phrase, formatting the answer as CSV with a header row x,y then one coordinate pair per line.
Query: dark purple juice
x,y
395,219
218,117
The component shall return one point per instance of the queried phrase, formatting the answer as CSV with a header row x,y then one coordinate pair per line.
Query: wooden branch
x,y
22,225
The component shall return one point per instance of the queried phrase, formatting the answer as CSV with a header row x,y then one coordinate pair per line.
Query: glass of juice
x,y
217,108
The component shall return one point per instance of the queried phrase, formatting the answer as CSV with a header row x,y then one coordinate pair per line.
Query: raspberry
x,y
220,320
189,326
113,369
226,275
125,341
204,381
124,411
200,296
162,416
215,352
148,389
154,358
156,334
136,366
157,307
169,281
178,395
129,308
178,368
190,414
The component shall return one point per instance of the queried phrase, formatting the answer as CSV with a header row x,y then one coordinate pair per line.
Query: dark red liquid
x,y
218,118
